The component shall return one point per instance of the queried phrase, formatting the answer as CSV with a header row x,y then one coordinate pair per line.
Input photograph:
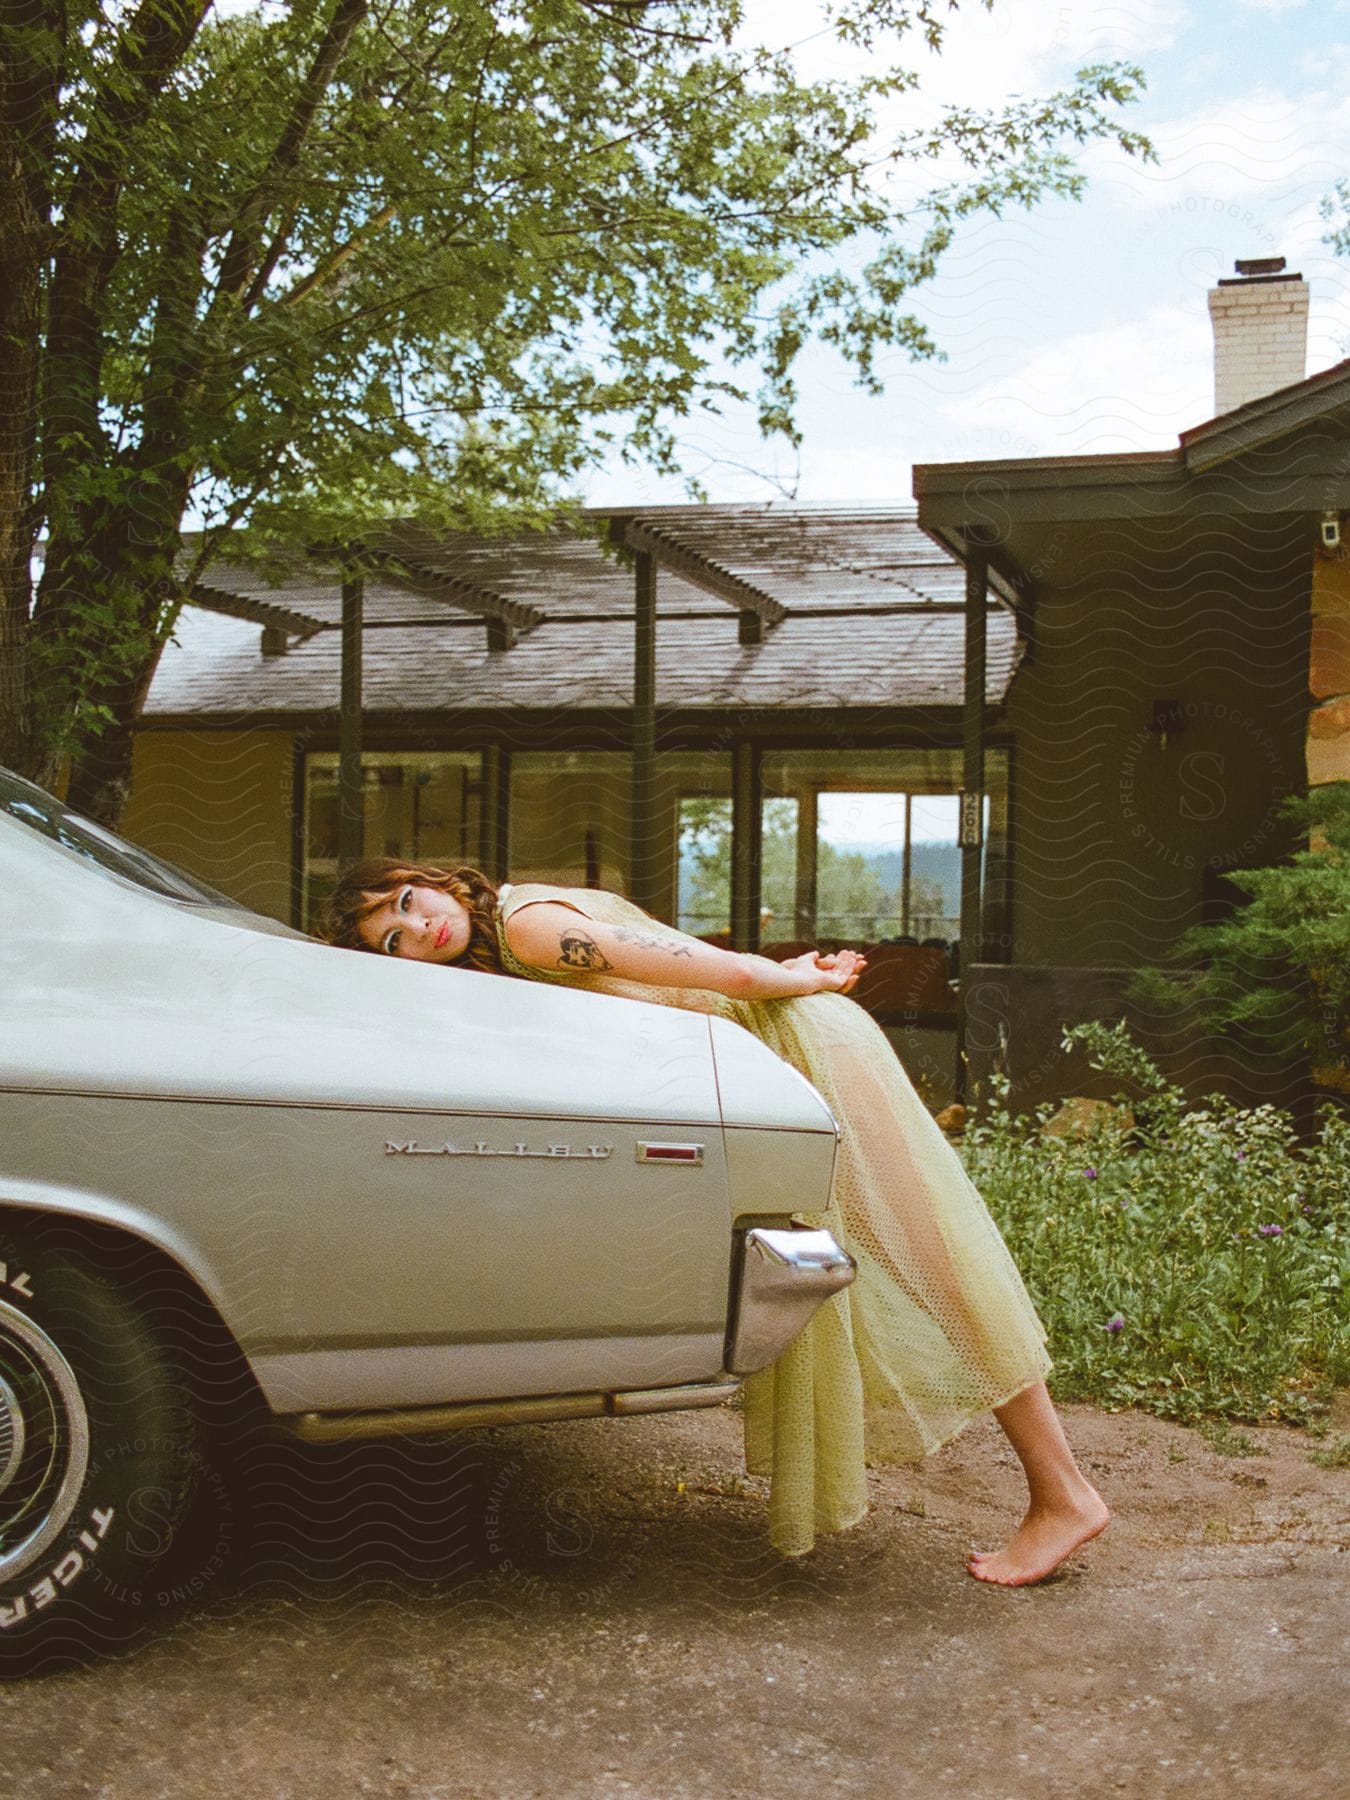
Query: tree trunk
x,y
18,408
30,51
100,776
137,551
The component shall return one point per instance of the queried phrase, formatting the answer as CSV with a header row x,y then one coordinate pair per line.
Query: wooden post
x,y
351,802
972,787
747,815
495,816
907,868
643,845
804,924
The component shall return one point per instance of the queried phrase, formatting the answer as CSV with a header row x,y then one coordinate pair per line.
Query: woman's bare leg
x,y
1064,1509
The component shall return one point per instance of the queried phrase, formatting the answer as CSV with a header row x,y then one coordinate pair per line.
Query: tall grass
x,y
1193,1262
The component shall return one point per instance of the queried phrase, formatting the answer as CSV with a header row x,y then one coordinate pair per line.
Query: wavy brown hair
x,y
365,887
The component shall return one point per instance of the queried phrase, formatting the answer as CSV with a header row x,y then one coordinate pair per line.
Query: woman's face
x,y
421,924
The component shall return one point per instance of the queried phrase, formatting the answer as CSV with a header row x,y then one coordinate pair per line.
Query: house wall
x,y
1122,832
220,804
1126,817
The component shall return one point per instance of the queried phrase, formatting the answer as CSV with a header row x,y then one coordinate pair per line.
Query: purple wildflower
x,y
1270,1231
1116,1322
1091,1174
1242,1156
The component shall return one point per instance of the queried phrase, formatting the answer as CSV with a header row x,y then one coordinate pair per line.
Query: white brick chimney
x,y
1260,319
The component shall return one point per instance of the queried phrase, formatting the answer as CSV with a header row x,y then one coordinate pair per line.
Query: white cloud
x,y
1261,145
1129,386
1021,46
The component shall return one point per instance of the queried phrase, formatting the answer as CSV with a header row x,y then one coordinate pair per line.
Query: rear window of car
x,y
33,807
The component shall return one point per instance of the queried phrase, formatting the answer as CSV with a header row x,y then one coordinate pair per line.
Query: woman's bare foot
x,y
1046,1536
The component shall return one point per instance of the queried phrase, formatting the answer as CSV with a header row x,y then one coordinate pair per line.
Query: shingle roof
x,y
873,619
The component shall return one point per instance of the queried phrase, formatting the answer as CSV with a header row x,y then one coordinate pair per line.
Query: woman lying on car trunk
x,y
937,1326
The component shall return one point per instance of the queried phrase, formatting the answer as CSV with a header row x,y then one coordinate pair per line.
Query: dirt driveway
x,y
592,1610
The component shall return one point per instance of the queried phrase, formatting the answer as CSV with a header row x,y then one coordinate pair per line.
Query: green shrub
x,y
1275,974
1193,1262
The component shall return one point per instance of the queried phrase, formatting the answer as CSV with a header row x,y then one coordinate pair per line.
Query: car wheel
x,y
98,1454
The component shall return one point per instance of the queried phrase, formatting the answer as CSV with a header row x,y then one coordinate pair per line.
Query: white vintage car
x,y
239,1168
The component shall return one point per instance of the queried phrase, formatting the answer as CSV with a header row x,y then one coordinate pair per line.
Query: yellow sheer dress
x,y
937,1327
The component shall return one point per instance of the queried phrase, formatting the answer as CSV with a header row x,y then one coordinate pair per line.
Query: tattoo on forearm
x,y
581,952
649,940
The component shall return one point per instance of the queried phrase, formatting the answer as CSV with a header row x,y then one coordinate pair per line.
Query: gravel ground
x,y
592,1609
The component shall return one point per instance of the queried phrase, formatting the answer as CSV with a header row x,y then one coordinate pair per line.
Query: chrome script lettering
x,y
591,1153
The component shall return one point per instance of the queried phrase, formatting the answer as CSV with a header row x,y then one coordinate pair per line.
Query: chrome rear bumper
x,y
779,1278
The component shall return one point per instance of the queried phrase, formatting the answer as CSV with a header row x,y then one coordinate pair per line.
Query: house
x,y
1177,613
1086,679
590,705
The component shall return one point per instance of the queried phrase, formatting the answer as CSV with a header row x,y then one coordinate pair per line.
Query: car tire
x,y
98,1452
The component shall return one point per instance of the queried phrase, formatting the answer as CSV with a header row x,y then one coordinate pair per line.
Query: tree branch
x,y
241,253
335,258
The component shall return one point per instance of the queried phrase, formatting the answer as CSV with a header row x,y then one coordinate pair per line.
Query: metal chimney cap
x,y
1253,269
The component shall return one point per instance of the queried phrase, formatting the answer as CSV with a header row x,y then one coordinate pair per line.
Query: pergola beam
x,y
702,573
506,619
284,621
747,844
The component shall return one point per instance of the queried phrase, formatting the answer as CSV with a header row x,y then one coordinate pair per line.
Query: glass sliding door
x,y
861,889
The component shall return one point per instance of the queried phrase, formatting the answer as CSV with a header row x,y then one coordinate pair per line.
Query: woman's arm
x,y
548,935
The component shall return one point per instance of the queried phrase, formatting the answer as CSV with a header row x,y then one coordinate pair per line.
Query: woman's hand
x,y
834,973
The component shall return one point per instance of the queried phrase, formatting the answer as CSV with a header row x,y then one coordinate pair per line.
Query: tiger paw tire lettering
x,y
98,1453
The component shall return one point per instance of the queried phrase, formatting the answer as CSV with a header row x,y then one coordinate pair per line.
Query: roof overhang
x,y
1277,457
1322,397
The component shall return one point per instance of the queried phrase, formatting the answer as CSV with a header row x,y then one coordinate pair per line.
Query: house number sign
x,y
972,819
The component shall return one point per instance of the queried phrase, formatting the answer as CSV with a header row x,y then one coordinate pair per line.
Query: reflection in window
x,y
704,900
21,800
863,846
421,805
571,822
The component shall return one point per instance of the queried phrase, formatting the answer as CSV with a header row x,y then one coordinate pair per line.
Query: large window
x,y
862,846
422,805
571,816
857,847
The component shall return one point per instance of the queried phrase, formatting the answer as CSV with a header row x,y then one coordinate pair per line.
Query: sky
x,y
1080,327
